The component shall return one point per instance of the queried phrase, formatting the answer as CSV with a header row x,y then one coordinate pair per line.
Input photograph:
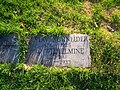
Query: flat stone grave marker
x,y
66,50
9,49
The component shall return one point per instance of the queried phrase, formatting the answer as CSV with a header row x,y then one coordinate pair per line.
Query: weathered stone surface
x,y
68,50
8,49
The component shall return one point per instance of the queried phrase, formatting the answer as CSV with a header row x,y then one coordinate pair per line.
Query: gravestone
x,y
67,50
9,49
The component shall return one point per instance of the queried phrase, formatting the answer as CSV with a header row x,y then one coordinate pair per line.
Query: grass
x,y
100,19
41,78
78,15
